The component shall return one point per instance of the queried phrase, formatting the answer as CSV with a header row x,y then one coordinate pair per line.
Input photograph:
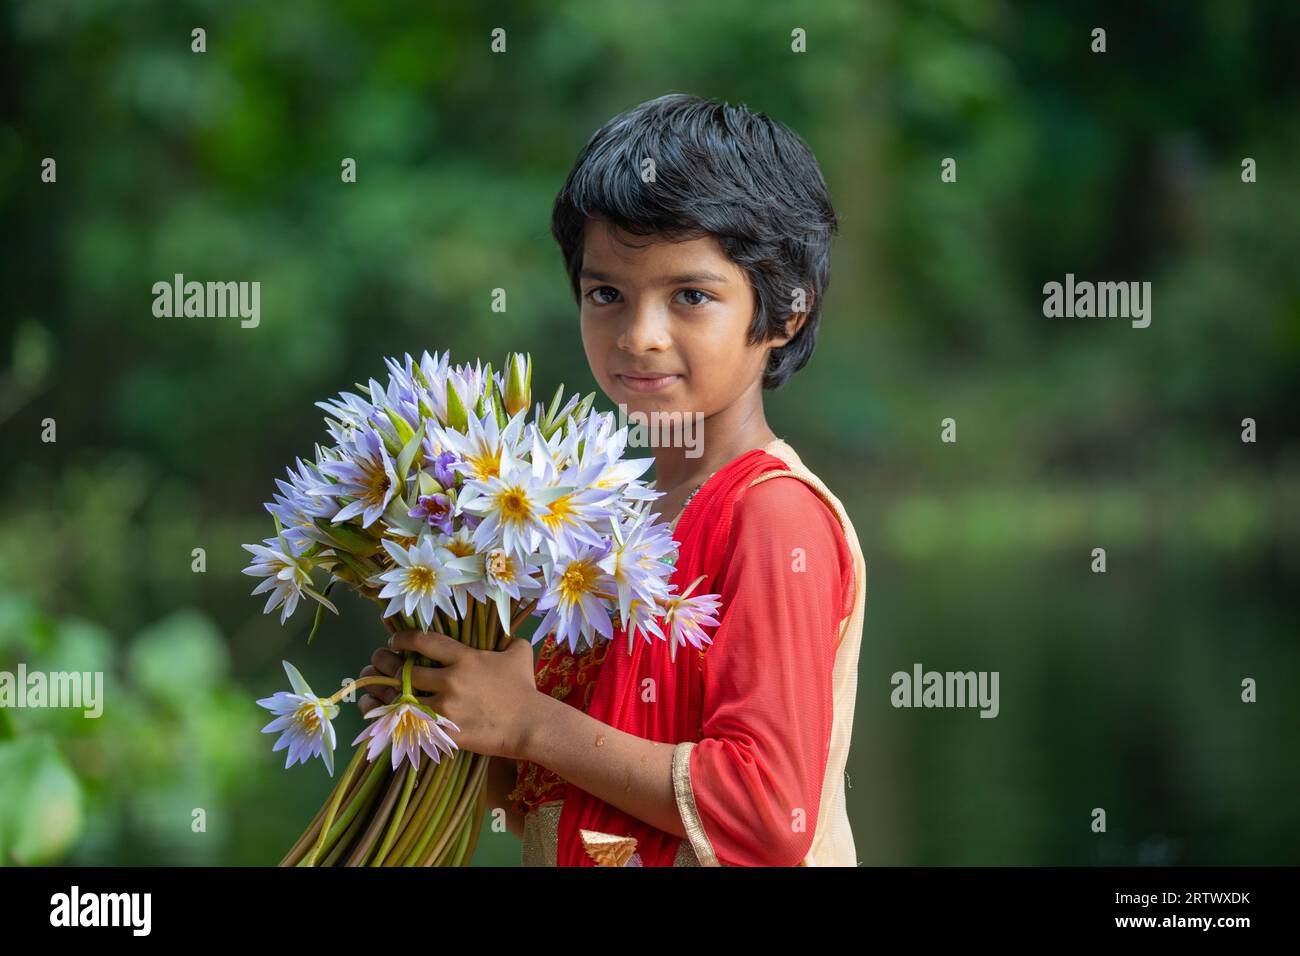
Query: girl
x,y
697,240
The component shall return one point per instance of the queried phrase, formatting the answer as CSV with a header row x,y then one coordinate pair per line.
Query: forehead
x,y
610,253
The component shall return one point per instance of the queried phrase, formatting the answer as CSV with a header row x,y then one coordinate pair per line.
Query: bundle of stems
x,y
426,815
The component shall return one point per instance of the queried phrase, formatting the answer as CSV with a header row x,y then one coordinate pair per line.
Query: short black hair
x,y
720,170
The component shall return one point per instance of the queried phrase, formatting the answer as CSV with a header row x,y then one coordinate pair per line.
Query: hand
x,y
384,663
487,694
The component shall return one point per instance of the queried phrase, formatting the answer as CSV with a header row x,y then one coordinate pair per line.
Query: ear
x,y
792,326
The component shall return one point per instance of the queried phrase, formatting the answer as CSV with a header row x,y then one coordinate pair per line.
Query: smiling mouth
x,y
647,383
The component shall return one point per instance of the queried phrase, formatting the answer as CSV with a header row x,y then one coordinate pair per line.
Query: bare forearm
x,y
500,782
624,770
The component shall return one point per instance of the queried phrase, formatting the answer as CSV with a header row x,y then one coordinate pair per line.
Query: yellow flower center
x,y
307,717
486,464
460,548
406,730
500,565
578,579
514,505
421,579
560,512
378,483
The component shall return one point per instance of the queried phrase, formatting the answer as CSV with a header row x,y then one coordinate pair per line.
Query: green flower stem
x,y
469,780
363,682
359,812
406,676
296,852
430,788
474,828
462,844
466,634
469,799
375,775
445,800
394,824
329,816
378,821
522,615
495,637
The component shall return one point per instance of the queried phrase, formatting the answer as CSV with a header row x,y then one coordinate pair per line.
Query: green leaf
x,y
457,417
409,451
41,805
363,569
499,409
554,407
396,515
320,610
404,429
349,537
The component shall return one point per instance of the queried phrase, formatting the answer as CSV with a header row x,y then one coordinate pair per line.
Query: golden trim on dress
x,y
541,838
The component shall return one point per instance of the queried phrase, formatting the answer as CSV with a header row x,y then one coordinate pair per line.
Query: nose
x,y
645,328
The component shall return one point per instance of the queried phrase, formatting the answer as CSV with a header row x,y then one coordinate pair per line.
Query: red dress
x,y
757,701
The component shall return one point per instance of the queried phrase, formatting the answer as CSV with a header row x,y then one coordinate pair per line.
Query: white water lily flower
x,y
421,582
484,448
499,577
305,719
637,563
576,600
287,573
512,505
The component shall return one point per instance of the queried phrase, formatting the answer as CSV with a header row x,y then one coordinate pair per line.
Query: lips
x,y
647,382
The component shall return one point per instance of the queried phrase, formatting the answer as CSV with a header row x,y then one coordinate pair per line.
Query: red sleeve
x,y
756,774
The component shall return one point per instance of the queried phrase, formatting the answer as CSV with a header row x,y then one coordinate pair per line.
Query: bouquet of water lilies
x,y
442,502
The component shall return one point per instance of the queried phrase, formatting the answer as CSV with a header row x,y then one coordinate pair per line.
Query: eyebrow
x,y
685,278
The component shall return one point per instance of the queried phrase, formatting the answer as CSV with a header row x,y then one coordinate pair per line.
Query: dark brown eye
x,y
599,289
704,296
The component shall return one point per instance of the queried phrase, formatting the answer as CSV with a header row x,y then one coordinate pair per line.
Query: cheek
x,y
594,344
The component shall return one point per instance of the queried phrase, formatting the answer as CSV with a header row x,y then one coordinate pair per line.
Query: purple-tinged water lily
x,y
297,508
366,473
636,563
411,728
684,618
436,510
305,719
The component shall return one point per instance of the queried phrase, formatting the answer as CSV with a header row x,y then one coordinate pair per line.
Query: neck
x,y
724,436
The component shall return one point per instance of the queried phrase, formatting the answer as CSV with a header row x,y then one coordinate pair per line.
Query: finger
x,y
386,662
435,646
367,703
431,680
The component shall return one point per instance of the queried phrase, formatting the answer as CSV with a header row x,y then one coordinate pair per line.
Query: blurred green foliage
x,y
1120,690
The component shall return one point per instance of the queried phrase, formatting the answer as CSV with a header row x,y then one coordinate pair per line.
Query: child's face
x,y
664,325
